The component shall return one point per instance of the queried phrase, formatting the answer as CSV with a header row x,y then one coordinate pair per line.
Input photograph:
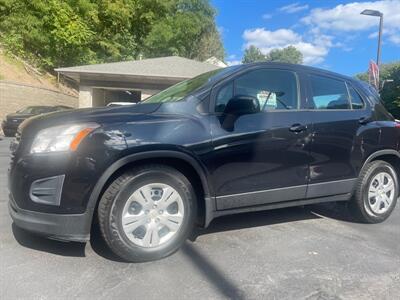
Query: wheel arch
x,y
181,161
389,155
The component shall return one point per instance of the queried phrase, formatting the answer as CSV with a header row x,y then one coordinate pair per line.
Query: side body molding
x,y
209,201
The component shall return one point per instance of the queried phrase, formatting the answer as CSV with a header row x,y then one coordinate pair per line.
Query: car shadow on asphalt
x,y
36,242
233,222
256,219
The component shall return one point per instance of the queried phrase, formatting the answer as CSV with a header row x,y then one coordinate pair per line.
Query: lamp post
x,y
376,13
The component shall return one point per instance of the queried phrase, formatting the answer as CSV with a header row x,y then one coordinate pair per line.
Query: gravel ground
x,y
312,252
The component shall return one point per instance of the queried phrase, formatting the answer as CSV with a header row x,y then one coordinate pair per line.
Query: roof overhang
x,y
163,71
100,79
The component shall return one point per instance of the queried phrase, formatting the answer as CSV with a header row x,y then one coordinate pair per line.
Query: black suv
x,y
244,138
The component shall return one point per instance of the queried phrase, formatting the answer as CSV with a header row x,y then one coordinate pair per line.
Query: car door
x,y
263,157
338,112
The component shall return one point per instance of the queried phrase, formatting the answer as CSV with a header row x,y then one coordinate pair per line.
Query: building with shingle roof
x,y
131,81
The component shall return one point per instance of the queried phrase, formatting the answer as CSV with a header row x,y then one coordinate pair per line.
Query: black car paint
x,y
252,167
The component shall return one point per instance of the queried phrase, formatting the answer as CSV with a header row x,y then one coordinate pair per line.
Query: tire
x,y
370,209
136,194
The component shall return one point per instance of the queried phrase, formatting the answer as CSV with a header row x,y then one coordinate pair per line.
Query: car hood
x,y
101,116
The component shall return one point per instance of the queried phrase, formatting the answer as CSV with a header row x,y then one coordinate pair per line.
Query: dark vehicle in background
x,y
244,138
12,121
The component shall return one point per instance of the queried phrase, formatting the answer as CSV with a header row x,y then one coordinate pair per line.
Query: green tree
x,y
55,33
390,93
187,30
253,54
287,55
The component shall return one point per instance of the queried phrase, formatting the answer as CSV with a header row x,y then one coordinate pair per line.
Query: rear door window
x,y
328,93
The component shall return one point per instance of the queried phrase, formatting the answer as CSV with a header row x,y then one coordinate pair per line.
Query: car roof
x,y
39,106
294,67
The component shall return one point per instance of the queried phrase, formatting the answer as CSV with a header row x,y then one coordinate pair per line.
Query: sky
x,y
331,34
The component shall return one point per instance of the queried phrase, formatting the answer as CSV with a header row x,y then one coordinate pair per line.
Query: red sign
x,y
373,74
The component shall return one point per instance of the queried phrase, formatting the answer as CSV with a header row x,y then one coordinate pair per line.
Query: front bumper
x,y
72,227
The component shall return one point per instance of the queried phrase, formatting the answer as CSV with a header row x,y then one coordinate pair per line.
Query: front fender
x,y
209,204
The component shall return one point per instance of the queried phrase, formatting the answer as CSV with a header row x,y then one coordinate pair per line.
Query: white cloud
x,y
373,35
260,37
323,26
233,62
293,8
347,18
313,51
395,38
267,16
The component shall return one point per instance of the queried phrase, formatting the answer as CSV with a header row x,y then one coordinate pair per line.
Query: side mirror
x,y
242,105
238,106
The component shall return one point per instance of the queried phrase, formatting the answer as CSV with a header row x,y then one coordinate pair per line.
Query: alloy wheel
x,y
381,193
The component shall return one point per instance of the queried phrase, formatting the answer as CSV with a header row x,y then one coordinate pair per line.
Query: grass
x,y
13,61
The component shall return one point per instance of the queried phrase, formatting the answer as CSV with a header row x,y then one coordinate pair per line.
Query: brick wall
x,y
14,96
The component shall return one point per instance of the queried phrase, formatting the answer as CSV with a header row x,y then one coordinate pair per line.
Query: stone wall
x,y
14,96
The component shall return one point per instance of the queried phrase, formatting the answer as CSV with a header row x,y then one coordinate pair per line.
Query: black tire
x,y
114,198
360,206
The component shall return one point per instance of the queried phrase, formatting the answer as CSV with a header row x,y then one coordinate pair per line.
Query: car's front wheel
x,y
148,213
376,192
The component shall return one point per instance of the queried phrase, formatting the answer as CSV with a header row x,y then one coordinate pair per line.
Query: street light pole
x,y
378,59
376,13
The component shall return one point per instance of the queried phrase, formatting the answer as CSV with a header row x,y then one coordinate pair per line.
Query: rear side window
x,y
356,100
371,92
329,93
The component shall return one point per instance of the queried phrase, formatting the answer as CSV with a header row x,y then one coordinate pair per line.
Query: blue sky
x,y
330,34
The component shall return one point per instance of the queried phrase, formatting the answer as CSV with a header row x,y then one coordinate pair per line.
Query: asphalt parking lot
x,y
298,253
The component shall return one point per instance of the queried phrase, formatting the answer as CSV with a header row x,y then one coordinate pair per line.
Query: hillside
x,y
17,71
22,85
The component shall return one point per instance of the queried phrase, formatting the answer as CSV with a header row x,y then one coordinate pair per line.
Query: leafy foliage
x,y
390,93
287,55
55,33
253,54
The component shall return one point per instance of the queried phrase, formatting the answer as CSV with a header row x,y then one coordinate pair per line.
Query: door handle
x,y
364,120
297,128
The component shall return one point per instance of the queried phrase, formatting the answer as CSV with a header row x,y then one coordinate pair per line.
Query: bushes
x,y
390,94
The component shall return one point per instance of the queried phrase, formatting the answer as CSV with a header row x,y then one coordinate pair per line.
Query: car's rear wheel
x,y
147,214
376,192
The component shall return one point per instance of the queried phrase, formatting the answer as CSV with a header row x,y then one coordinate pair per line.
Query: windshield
x,y
35,110
179,91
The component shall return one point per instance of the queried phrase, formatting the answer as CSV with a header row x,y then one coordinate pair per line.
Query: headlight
x,y
61,138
